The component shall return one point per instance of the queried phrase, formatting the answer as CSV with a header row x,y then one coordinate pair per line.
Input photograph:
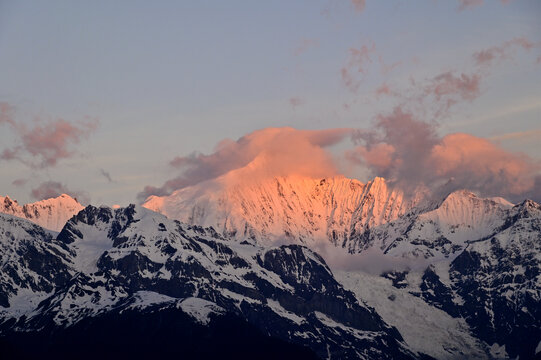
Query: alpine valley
x,y
250,270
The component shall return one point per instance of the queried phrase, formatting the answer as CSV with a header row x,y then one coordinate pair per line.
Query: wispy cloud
x,y
386,68
383,89
358,5
434,97
468,4
46,142
106,175
518,135
497,53
19,182
295,102
305,45
357,66
449,88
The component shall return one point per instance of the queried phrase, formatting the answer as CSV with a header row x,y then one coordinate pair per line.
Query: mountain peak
x,y
302,208
50,213
7,201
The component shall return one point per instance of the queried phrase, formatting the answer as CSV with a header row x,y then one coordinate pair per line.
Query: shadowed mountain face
x,y
114,263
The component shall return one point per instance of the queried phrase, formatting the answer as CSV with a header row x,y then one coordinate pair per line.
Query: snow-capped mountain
x,y
461,278
347,213
301,209
440,230
484,270
474,262
51,213
111,264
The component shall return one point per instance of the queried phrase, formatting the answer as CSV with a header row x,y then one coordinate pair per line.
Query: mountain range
x,y
237,267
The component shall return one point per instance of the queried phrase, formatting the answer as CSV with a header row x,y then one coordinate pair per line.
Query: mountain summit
x,y
51,213
301,208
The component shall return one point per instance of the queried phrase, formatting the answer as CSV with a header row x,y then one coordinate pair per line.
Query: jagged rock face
x,y
134,258
499,279
345,212
31,261
441,231
494,283
51,214
304,210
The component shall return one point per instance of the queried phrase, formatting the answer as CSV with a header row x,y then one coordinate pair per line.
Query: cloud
x,y
304,45
449,85
497,53
405,150
479,164
435,96
45,143
263,153
295,101
106,175
384,89
409,153
52,189
6,114
386,69
371,260
400,147
394,147
518,135
448,89
468,4
356,66
19,182
358,5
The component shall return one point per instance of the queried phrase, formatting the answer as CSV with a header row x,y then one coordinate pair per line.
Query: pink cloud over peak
x,y
263,153
409,152
52,189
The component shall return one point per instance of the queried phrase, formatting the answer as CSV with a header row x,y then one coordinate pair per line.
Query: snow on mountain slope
x,y
425,328
479,297
32,263
349,214
491,280
51,213
483,281
297,208
135,259
499,279
438,232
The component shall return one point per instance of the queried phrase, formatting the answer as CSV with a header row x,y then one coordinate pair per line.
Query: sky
x,y
115,101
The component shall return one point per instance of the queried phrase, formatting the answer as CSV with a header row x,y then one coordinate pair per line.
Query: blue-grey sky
x,y
144,82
